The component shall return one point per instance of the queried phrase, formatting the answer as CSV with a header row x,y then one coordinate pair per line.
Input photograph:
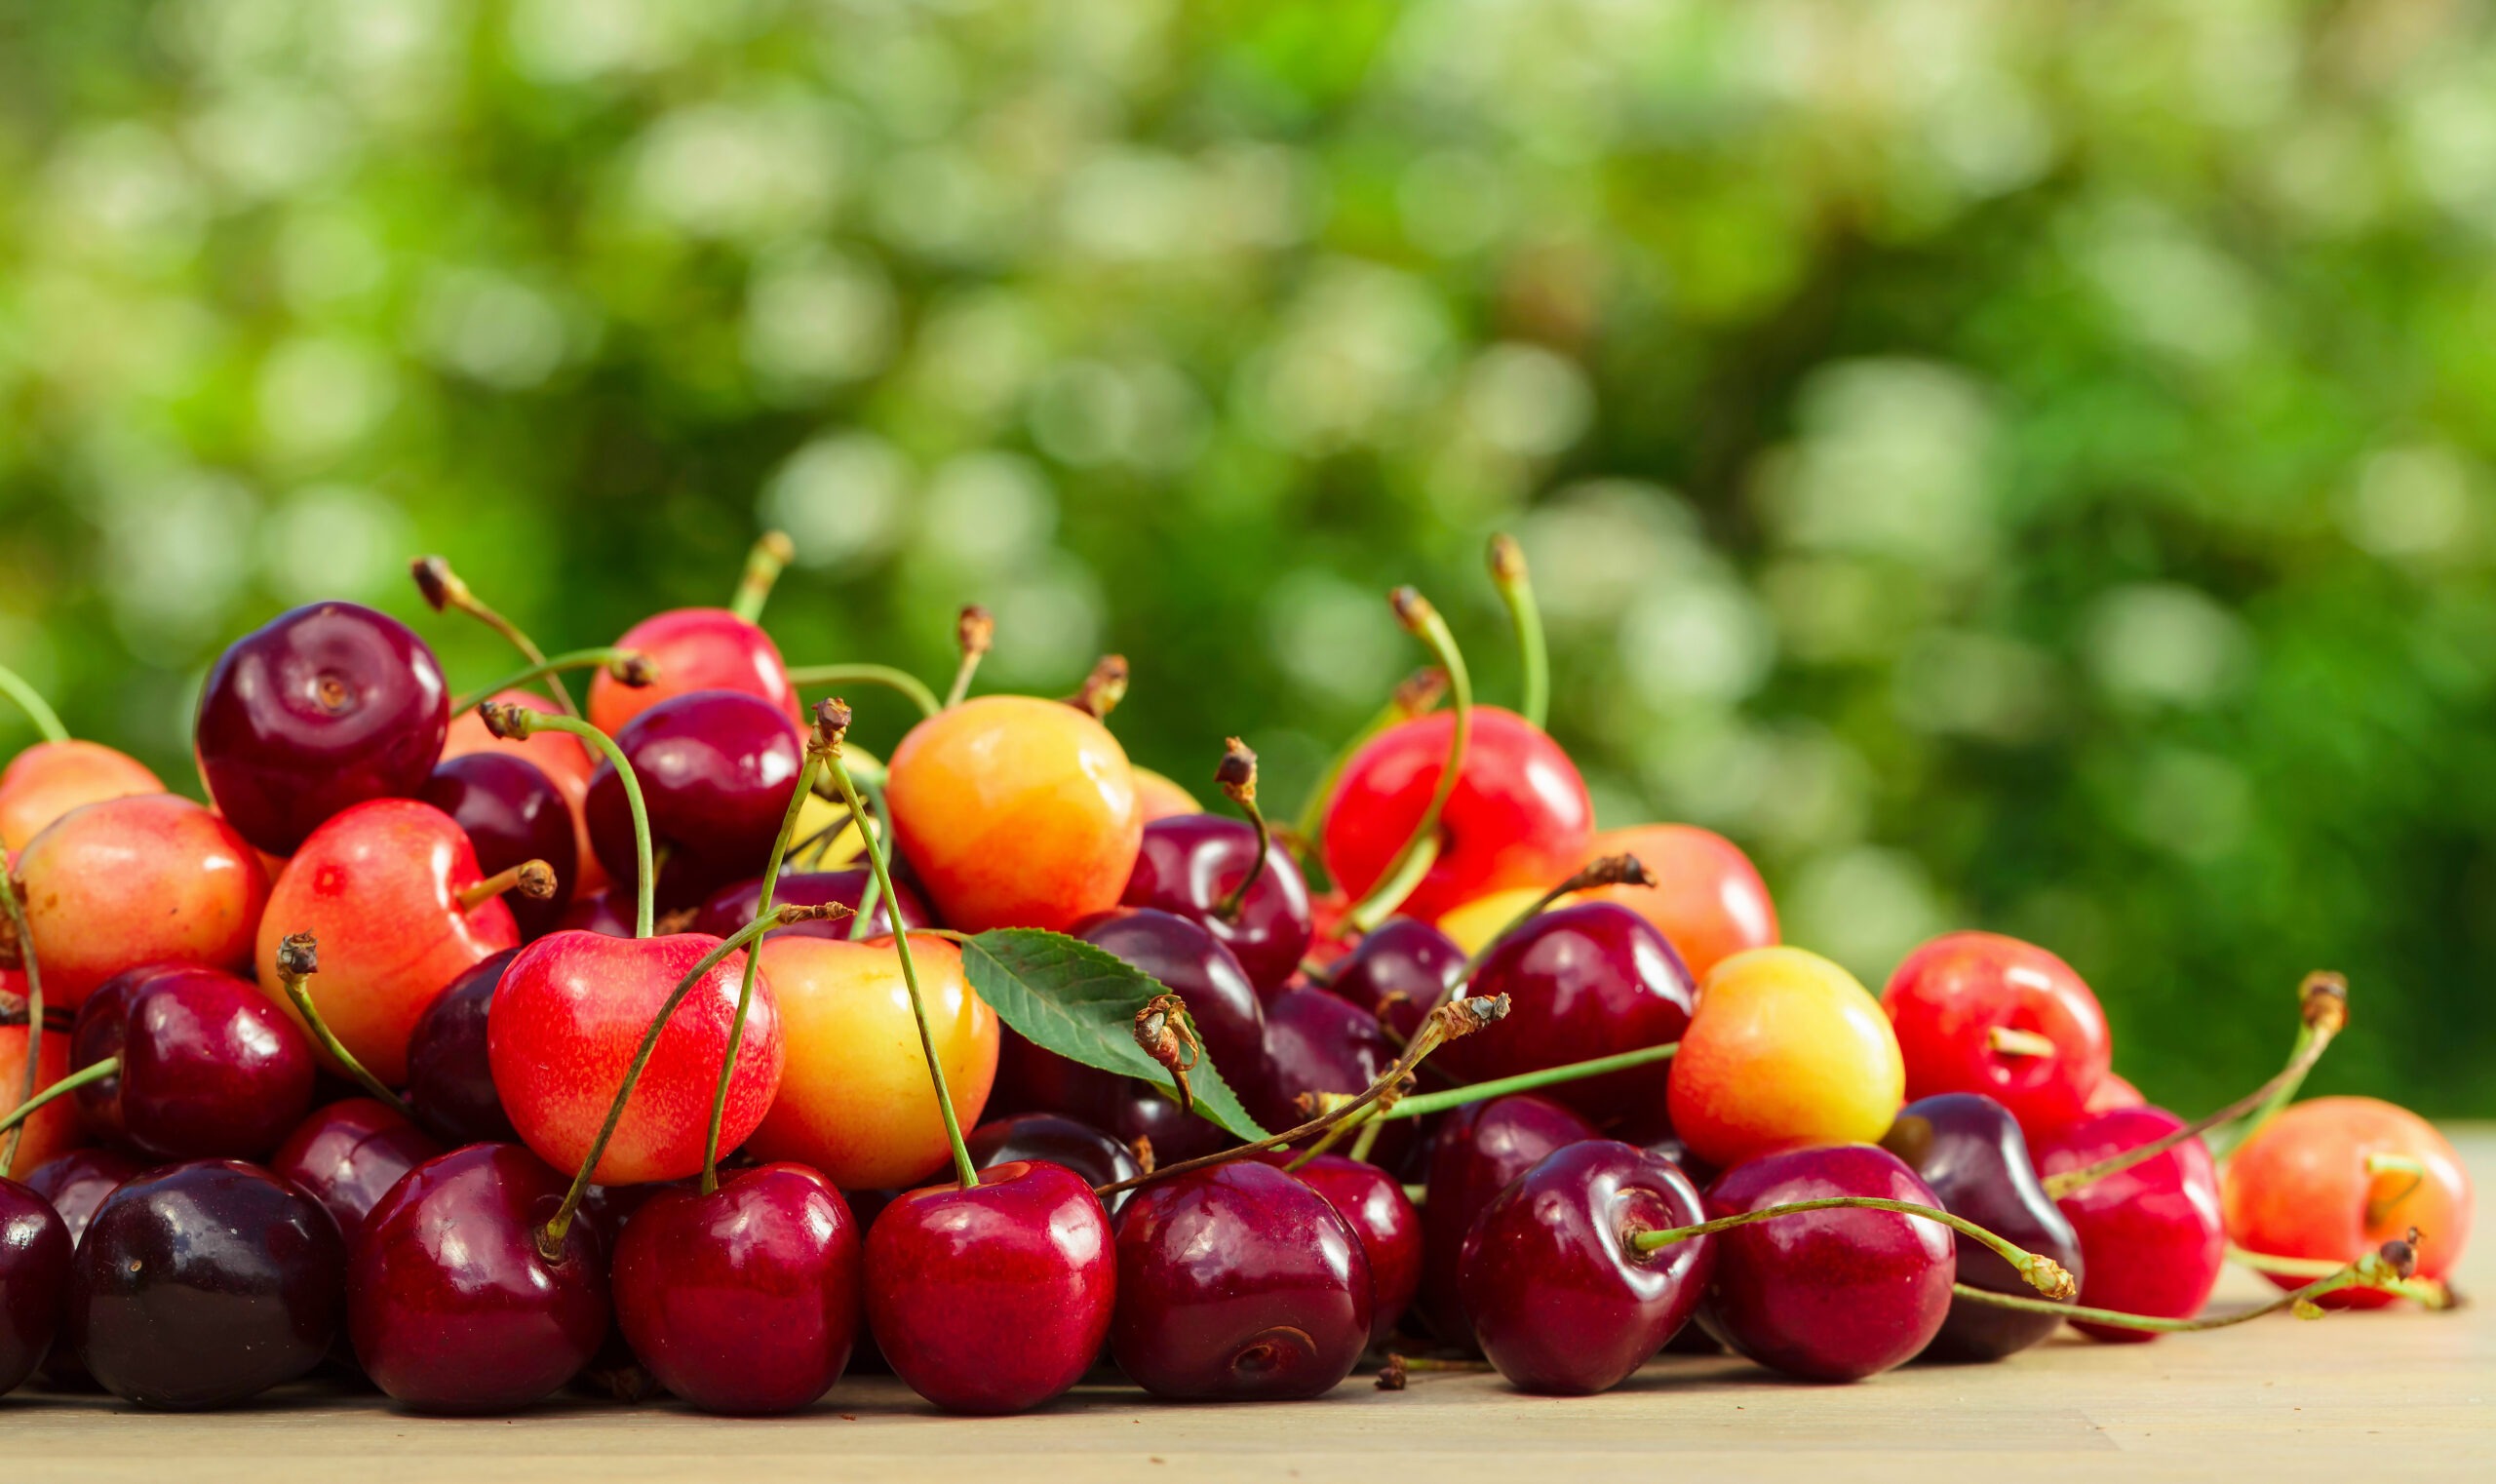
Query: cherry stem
x,y
1103,689
38,709
2010,1041
1423,1105
752,970
875,893
550,1240
1603,870
886,675
2425,1291
25,943
2369,1271
1516,589
1420,849
1418,695
832,724
2324,1003
630,666
770,555
443,589
513,721
2043,1272
71,1083
1236,777
974,630
531,879
299,959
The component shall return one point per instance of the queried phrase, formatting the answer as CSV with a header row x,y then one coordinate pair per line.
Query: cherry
x,y
1785,1048
1189,863
450,1076
1381,1215
1478,1149
348,1154
1518,816
150,879
732,907
1708,898
2152,1235
993,1298
1318,1042
743,1301
512,814
559,756
51,778
1015,812
324,707
694,650
1582,982
716,769
1192,962
2110,1093
77,1183
1127,1109
1399,972
1239,1283
1829,1295
203,1284
609,914
53,1129
394,894
35,1281
1979,1012
1560,1300
451,1307
1967,1149
208,1067
1159,796
1054,1139
2336,1178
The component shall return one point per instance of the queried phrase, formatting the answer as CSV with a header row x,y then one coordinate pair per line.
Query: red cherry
x,y
1189,863
694,650
512,814
348,1154
1381,1215
608,913
2313,1183
77,1183
716,769
208,1067
1319,1042
150,879
733,907
1979,1012
1054,1139
1190,962
1478,1149
1400,972
35,1281
562,757
2152,1236
1967,1148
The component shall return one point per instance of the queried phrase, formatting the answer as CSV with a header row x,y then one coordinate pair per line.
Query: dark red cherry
x,y
1317,1042
348,1154
35,1281
744,1300
1055,1139
1239,1283
2153,1235
610,913
1399,972
1477,1150
326,706
1192,964
1560,1300
210,1068
992,1299
77,1183
715,768
512,812
203,1284
451,1307
1030,1080
1381,1215
450,1084
1189,863
1969,1149
98,1033
1829,1295
1582,982
732,907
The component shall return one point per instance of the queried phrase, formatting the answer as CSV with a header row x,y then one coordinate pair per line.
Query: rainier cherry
x,y
2336,1178
151,878
52,1130
1785,1048
1157,797
51,778
2151,1233
1979,1012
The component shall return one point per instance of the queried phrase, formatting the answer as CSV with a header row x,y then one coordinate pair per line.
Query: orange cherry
x,y
149,878
1156,796
1709,899
2336,1178
855,1100
1785,1049
51,778
560,755
1016,812
54,1128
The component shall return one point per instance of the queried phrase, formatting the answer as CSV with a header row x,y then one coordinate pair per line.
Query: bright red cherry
x,y
51,778
1381,1215
150,879
512,814
715,768
744,1300
35,1281
324,708
1399,972
348,1154
1518,816
1189,863
732,907
1979,1012
1709,899
992,1299
450,1076
2336,1178
208,1067
1478,1149
694,650
2152,1235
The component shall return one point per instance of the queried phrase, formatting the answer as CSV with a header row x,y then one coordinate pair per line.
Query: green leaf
x,y
1065,995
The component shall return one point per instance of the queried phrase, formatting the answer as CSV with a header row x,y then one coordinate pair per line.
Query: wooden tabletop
x,y
2397,1396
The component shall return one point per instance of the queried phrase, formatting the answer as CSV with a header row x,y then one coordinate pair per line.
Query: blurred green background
x,y
2016,464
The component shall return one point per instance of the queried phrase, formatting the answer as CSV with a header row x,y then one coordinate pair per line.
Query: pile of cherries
x,y
479,1051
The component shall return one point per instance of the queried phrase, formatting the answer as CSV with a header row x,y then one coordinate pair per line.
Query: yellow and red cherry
x,y
347,1156
716,769
1708,898
393,891
2152,1235
51,778
52,1130
324,708
560,755
209,1068
694,650
1192,864
1518,816
1015,812
512,814
1983,1013
150,879
1785,1049
2336,1178
855,1100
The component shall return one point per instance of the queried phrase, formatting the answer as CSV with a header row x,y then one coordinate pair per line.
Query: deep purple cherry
x,y
35,1281
348,1154
76,1183
1191,963
1030,1080
211,1067
1970,1151
733,905
608,912
324,707
513,813
1055,1139
450,1082
1189,863
1318,1042
1399,972
1381,1215
1478,1149
715,768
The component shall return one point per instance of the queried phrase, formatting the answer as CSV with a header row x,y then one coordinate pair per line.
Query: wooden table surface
x,y
2398,1396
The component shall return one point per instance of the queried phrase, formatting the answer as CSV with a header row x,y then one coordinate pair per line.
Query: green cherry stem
x,y
1516,589
2369,1271
442,590
66,1086
630,666
973,632
1420,849
769,557
515,722
38,709
874,891
2043,1272
299,959
1417,695
908,684
1423,1105
33,971
831,725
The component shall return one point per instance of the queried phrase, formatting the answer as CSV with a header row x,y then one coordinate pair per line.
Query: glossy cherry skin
x,y
1239,1283
1127,1109
77,1183
203,1284
53,1129
2300,1187
1949,996
150,879
562,757
694,650
1560,1300
715,768
744,1300
1191,963
324,707
51,778
35,1281
1785,1049
610,914
1518,816
1478,1149
208,1067
1054,1139
1191,863
449,1303
1583,981
1400,972
1967,1149
569,1016
451,1074
733,905
1375,1207
1317,1042
348,1154
2153,1235
1709,899
1829,1295
992,1299
512,814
